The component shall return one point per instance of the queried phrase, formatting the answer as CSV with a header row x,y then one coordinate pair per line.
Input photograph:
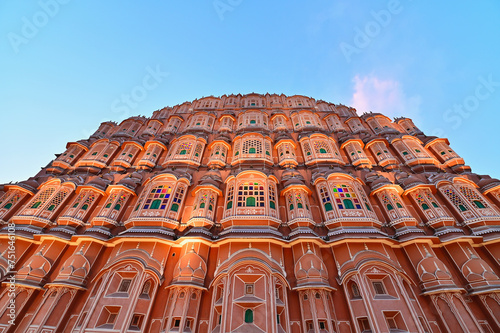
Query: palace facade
x,y
253,213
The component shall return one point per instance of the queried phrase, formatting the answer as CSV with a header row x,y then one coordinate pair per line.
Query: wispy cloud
x,y
386,96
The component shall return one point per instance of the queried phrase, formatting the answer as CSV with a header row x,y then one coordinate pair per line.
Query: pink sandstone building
x,y
253,213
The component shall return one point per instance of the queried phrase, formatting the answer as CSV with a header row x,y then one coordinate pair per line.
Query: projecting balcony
x,y
91,165
483,217
152,219
254,158
419,159
251,216
388,162
40,221
71,221
360,160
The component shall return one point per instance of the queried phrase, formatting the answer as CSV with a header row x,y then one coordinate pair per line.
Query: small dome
x,y
487,182
129,182
379,182
99,183
30,184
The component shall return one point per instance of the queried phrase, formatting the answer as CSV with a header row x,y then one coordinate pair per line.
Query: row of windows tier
x,y
470,206
44,206
160,202
204,207
186,150
319,148
356,125
412,152
252,147
201,121
218,154
67,159
381,124
334,123
81,207
354,149
98,156
11,200
382,154
252,120
394,207
444,153
124,160
114,207
251,199
306,120
153,150
343,201
298,206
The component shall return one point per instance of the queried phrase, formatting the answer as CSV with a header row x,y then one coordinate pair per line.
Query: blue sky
x,y
66,65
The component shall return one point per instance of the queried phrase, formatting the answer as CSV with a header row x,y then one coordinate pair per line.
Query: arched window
x,y
249,316
478,204
250,202
156,204
348,204
355,290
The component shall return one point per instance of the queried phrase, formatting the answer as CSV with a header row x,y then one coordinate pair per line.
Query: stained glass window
x,y
472,196
184,148
159,196
42,197
342,192
454,198
252,190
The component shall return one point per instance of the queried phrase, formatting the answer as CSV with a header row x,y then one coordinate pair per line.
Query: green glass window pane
x,y
250,202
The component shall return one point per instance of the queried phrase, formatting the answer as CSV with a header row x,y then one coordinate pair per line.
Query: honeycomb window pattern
x,y
42,197
58,198
473,197
184,148
321,147
252,146
454,198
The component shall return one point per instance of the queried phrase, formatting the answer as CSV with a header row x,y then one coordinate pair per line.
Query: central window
x,y
251,194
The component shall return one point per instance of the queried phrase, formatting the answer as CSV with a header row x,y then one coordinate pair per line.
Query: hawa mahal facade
x,y
253,213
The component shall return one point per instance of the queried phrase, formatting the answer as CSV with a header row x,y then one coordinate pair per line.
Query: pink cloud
x,y
385,96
